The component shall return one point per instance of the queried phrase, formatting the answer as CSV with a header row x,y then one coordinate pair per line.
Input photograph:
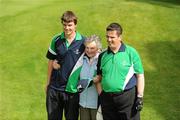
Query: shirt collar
x,y
95,57
85,56
121,49
78,36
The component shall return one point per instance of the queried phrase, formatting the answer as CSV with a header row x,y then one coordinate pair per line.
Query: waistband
x,y
118,93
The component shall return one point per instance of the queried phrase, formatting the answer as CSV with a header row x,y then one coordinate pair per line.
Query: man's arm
x,y
140,91
98,87
50,68
140,85
97,82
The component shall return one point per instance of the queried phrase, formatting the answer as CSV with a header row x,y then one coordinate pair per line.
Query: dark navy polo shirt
x,y
67,56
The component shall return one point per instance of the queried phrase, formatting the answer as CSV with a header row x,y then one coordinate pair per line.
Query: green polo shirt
x,y
118,68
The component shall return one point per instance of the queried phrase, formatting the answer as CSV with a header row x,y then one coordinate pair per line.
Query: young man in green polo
x,y
122,78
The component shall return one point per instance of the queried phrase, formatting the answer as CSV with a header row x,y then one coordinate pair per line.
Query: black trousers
x,y
57,101
119,106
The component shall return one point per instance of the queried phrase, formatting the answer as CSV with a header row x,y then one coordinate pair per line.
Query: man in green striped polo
x,y
122,78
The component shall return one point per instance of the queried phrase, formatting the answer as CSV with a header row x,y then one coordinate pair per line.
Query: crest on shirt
x,y
124,63
76,51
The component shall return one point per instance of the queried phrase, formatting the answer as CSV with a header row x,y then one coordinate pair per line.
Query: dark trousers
x,y
57,101
119,106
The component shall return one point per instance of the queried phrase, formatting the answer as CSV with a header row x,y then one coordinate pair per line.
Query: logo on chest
x,y
125,63
77,51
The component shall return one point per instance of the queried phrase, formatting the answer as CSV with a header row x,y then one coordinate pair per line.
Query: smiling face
x,y
69,28
91,49
113,39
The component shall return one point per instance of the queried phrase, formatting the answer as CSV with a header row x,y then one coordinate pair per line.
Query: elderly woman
x,y
89,97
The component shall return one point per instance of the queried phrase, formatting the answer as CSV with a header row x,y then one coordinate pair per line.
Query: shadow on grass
x,y
162,83
165,3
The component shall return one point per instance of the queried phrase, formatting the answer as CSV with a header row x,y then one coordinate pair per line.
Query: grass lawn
x,y
26,29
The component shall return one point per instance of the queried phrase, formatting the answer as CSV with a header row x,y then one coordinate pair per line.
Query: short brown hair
x,y
69,16
115,27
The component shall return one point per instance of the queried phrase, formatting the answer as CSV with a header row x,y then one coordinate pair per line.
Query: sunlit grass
x,y
27,28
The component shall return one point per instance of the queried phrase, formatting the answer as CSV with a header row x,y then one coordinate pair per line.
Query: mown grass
x,y
27,27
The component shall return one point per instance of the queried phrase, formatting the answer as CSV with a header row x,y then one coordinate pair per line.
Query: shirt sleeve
x,y
136,60
51,53
99,70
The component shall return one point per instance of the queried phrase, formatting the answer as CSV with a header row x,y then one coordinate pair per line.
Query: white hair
x,y
94,38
